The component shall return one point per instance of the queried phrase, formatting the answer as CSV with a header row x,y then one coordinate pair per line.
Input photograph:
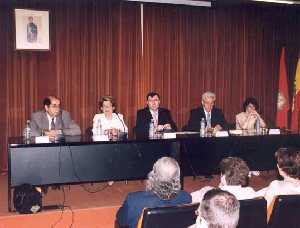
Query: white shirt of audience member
x,y
241,193
200,223
287,186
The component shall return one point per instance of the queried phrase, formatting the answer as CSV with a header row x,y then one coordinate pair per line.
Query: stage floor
x,y
104,200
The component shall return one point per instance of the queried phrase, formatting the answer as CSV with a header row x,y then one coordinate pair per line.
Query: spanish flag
x,y
283,95
296,100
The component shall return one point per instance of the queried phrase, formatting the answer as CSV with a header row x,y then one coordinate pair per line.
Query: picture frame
x,y
32,30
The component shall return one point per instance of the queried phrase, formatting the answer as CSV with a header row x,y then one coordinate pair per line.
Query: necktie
x,y
208,120
155,118
52,124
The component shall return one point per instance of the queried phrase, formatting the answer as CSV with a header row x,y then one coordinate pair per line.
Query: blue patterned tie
x,y
208,120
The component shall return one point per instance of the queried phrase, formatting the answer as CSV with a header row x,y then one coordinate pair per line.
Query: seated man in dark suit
x,y
53,121
160,116
162,189
214,117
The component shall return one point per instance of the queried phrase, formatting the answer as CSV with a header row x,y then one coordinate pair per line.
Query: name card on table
x,y
236,132
97,138
222,134
169,135
42,139
274,131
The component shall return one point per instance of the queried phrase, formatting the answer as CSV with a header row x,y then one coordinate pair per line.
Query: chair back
x,y
253,213
180,216
286,212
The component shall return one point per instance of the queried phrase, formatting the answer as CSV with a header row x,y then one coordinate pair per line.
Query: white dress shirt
x,y
208,118
154,116
50,120
241,193
282,187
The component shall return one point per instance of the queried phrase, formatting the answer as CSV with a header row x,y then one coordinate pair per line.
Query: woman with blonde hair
x,y
111,122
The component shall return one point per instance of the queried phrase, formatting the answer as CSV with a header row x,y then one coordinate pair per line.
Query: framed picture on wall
x,y
32,29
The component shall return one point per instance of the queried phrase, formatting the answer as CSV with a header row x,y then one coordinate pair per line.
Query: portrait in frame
x,y
32,29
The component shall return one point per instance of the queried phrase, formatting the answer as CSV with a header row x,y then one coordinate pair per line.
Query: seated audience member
x,y
53,121
162,189
214,117
246,120
111,122
153,112
288,164
234,179
218,209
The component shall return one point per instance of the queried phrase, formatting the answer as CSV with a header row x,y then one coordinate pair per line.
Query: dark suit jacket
x,y
217,117
143,119
131,210
39,121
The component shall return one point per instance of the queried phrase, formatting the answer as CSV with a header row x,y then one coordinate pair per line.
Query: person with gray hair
x,y
214,117
218,209
162,189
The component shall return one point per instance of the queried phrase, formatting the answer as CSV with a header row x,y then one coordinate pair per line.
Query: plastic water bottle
x,y
99,128
151,129
257,126
202,127
27,131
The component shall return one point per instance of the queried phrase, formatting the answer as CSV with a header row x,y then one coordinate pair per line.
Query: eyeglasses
x,y
54,105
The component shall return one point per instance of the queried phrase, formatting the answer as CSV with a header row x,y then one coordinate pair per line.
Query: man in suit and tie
x,y
53,121
160,116
214,117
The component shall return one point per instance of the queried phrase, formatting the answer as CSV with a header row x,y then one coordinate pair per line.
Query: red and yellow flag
x,y
283,95
296,100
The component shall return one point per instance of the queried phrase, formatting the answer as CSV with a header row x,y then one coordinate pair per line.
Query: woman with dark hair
x,y
288,164
246,120
110,121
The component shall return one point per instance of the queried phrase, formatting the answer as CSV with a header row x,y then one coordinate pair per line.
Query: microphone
x,y
124,129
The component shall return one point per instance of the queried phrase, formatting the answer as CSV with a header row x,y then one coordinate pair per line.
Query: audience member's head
x,y
288,162
208,100
52,105
250,104
153,101
219,209
234,171
164,179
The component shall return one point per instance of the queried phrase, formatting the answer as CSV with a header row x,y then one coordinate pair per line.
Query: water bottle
x,y
202,127
257,126
151,129
99,128
27,131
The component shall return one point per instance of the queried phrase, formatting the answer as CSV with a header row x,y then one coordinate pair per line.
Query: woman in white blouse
x,y
246,120
288,164
110,121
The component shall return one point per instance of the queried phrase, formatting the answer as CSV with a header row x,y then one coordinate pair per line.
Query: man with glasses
x,y
214,117
53,121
